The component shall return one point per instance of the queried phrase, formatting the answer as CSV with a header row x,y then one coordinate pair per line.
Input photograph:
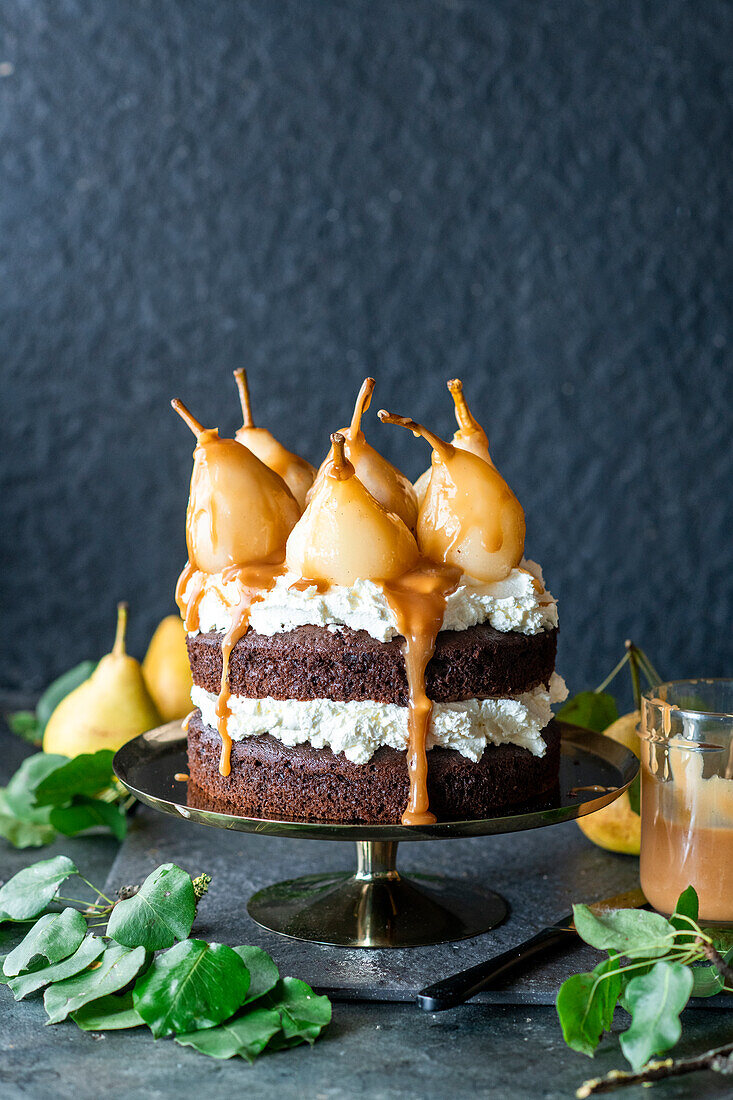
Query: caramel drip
x,y
181,777
303,584
186,721
666,709
417,599
188,604
254,581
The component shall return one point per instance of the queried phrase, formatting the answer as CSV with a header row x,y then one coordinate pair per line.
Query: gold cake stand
x,y
375,906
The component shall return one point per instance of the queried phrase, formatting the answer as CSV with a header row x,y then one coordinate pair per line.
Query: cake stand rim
x,y
574,740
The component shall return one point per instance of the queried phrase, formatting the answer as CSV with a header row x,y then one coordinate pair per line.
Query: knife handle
x,y
460,987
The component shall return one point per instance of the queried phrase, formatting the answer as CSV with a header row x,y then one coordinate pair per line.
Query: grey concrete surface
x,y
379,1051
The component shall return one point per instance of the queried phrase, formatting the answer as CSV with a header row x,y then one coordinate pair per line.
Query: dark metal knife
x,y
460,987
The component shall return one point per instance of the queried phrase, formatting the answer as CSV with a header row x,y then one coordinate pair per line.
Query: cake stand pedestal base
x,y
376,906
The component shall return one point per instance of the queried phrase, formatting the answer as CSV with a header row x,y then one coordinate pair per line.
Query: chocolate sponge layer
x,y
270,780
313,662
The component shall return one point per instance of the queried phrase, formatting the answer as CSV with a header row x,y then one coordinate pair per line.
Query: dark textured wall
x,y
534,196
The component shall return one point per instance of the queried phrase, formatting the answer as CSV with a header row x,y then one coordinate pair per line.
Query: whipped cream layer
x,y
358,729
518,603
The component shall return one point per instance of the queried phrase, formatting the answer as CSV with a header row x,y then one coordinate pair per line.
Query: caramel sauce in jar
x,y
687,797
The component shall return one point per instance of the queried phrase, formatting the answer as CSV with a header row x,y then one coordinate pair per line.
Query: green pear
x,y
108,709
166,669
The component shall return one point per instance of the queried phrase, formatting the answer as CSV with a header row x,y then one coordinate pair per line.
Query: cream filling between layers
x,y
358,729
519,603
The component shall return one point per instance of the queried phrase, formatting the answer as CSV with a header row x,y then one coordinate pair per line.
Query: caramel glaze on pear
x,y
345,534
239,510
383,480
297,474
469,517
469,437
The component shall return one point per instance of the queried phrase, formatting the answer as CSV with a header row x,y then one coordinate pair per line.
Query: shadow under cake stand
x,y
376,906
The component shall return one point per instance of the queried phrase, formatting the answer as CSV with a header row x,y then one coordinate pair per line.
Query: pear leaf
x,y
20,791
192,985
303,1014
585,1004
263,974
594,710
54,937
29,892
24,723
634,793
110,1013
25,832
161,912
634,933
707,980
246,1035
89,813
87,953
687,906
116,967
655,1001
86,774
59,689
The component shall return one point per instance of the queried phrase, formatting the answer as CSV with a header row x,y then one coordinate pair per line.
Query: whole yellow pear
x,y
616,827
166,669
108,709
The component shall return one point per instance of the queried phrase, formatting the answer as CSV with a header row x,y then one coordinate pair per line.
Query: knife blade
x,y
460,987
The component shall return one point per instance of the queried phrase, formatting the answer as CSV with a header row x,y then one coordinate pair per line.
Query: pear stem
x,y
466,421
191,420
445,450
363,401
118,649
341,469
240,376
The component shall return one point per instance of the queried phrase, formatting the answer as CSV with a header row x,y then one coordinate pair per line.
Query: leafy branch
x,y
51,794
668,961
145,970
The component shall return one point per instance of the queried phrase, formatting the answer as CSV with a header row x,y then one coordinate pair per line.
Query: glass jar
x,y
686,746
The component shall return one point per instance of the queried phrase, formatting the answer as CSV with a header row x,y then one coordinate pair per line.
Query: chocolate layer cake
x,y
302,783
312,662
364,650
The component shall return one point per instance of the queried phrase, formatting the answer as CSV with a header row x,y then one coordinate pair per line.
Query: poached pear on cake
x,y
357,656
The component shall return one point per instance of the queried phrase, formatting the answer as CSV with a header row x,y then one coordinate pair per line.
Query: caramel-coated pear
x,y
383,480
469,517
469,437
297,474
346,535
239,510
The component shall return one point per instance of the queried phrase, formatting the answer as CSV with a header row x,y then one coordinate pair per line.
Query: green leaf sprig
x,y
144,969
30,724
51,794
668,961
